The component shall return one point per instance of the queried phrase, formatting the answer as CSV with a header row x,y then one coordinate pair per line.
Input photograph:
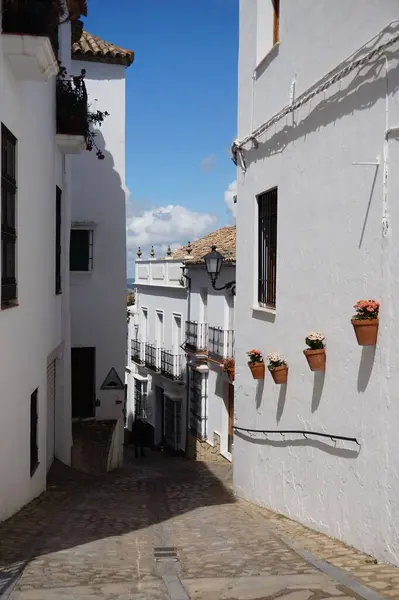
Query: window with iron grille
x,y
140,399
8,217
34,448
267,248
198,403
81,250
58,286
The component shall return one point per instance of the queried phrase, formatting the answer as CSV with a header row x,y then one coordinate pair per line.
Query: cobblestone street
x,y
162,528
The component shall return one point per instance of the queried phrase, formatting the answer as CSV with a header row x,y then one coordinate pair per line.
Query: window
x,y
58,287
276,21
159,333
267,248
8,217
81,250
140,399
198,403
144,324
34,449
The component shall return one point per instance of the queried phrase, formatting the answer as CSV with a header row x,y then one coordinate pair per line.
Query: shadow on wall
x,y
360,94
365,367
330,448
318,385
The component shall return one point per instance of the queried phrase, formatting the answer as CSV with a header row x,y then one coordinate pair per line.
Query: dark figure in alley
x,y
138,437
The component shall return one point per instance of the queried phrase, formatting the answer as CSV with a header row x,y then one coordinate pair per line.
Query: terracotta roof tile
x,y
224,239
92,48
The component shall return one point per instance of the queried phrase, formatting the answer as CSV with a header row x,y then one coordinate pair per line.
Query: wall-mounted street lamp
x,y
213,263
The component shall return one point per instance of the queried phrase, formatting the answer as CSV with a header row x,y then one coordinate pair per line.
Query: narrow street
x,y
162,528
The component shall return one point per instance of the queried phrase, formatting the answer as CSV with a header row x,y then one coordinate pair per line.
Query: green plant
x,y
276,360
315,340
255,356
73,115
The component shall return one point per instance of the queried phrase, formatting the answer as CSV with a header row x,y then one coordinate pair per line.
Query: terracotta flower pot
x,y
231,374
279,374
366,331
316,359
257,370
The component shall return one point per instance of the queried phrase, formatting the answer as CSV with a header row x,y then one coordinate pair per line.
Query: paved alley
x,y
162,528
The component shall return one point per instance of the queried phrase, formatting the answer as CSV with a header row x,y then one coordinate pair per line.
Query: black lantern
x,y
213,263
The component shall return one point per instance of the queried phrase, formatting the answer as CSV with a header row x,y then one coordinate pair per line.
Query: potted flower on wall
x,y
256,364
229,368
365,322
316,353
278,367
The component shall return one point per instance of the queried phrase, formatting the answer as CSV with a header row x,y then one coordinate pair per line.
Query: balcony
x,y
27,28
137,351
172,365
152,357
196,337
72,113
220,342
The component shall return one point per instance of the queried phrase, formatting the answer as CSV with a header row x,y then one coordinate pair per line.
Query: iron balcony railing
x,y
196,336
221,342
172,365
152,357
137,351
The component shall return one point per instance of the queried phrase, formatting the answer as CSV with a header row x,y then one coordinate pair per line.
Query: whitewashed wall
x,y
331,252
217,315
34,330
170,299
98,298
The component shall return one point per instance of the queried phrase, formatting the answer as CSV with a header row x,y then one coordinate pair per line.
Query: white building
x,y
98,242
36,199
156,368
180,335
317,151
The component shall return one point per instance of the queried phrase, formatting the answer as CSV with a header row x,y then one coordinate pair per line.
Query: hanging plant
x,y
316,354
229,368
278,367
256,364
365,322
73,114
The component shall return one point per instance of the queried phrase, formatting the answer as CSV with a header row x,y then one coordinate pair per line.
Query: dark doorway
x,y
83,382
160,416
230,419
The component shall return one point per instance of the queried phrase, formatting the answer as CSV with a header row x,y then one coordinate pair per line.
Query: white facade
x,y
98,295
197,324
160,312
214,312
34,329
335,244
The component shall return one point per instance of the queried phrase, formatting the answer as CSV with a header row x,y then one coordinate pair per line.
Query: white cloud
x,y
208,163
229,197
172,225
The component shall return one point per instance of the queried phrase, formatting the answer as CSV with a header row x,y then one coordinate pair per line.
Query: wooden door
x,y
83,382
230,429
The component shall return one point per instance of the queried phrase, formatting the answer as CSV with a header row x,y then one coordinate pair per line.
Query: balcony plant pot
x,y
316,359
230,374
279,374
257,369
366,331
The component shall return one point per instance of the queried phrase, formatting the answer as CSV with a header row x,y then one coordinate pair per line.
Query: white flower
x,y
276,358
315,336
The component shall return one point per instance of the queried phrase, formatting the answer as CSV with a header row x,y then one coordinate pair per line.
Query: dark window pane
x,y
80,250
34,449
8,220
267,248
58,287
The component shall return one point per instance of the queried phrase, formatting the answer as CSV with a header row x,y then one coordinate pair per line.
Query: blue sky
x,y
181,110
